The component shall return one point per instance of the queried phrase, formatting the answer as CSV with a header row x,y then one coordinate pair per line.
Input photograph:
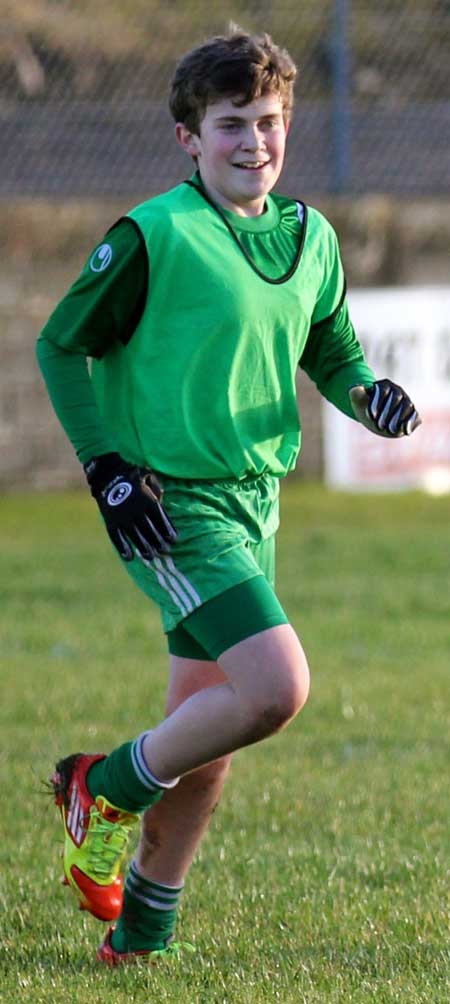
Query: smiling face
x,y
239,150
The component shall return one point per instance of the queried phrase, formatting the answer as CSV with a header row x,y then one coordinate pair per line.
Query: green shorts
x,y
226,536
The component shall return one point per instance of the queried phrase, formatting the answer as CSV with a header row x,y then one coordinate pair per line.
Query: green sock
x,y
125,779
148,915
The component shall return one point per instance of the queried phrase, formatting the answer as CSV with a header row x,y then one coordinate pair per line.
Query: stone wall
x,y
43,247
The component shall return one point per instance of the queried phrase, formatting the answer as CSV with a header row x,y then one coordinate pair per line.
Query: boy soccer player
x,y
196,309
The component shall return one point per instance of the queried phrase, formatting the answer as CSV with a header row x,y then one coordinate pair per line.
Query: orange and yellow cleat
x,y
96,834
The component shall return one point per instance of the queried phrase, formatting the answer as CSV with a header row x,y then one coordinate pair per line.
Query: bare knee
x,y
294,686
280,700
269,674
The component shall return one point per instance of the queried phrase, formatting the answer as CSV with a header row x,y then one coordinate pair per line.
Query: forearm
x,y
69,387
338,385
333,358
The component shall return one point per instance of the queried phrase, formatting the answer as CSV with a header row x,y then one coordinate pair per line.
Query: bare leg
x,y
173,828
267,682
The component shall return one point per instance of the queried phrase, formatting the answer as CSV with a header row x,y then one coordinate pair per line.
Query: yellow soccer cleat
x,y
96,837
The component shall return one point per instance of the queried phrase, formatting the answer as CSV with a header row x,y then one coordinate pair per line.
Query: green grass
x,y
324,878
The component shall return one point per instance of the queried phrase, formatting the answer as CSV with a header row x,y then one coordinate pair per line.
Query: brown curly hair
x,y
236,65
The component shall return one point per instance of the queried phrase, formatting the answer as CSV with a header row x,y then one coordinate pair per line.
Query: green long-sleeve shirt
x,y
120,303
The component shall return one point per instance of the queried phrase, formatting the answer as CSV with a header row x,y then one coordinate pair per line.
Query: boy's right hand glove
x,y
129,499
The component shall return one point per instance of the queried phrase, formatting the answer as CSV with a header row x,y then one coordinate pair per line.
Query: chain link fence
x,y
83,93
85,132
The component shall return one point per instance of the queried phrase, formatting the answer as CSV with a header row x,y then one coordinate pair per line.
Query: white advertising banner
x,y
406,337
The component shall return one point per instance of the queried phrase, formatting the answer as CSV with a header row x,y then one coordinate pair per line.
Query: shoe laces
x,y
106,842
174,948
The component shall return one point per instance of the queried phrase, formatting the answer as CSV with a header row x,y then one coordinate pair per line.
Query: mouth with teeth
x,y
248,165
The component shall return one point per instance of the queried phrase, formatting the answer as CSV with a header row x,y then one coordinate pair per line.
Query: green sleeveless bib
x,y
205,388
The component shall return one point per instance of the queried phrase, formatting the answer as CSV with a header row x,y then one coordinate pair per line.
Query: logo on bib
x,y
101,258
119,493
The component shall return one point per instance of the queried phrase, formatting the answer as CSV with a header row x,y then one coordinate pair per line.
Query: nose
x,y
252,138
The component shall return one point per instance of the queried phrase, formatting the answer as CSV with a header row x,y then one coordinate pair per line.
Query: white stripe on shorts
x,y
188,585
155,566
166,580
171,579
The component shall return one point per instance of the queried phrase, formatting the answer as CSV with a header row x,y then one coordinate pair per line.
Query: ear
x,y
189,141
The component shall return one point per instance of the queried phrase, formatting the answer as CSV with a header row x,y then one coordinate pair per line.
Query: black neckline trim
x,y
274,282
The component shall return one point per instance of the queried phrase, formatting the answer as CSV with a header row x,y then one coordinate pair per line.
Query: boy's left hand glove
x,y
385,409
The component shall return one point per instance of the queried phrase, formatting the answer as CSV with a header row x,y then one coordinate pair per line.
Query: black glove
x,y
385,408
129,499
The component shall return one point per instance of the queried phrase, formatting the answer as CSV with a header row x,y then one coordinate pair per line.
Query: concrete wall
x,y
43,246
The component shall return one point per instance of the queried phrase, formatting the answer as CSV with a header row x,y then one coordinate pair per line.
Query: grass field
x,y
325,876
